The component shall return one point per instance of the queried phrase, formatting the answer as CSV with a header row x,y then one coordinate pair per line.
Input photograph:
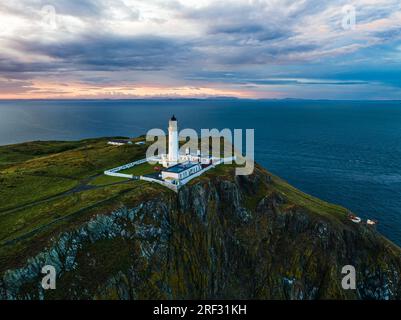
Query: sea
x,y
344,152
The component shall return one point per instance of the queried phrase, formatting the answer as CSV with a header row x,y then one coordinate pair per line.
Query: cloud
x,y
185,43
14,86
106,53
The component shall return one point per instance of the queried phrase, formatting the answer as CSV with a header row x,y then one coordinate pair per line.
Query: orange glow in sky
x,y
43,90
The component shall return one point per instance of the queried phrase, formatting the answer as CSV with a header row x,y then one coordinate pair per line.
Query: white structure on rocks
x,y
181,171
173,156
179,166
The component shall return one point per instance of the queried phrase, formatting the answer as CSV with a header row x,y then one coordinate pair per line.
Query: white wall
x,y
114,172
163,183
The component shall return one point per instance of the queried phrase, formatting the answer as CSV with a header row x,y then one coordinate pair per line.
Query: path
x,y
82,186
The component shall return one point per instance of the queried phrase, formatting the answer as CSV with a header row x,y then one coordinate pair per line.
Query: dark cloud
x,y
373,74
103,53
247,79
304,82
250,31
14,68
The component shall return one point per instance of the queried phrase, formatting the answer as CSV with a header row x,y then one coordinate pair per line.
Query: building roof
x,y
181,167
173,118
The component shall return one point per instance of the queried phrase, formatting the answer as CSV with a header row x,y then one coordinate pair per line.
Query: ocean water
x,y
347,153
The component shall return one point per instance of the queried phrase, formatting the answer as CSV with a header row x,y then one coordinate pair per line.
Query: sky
x,y
257,49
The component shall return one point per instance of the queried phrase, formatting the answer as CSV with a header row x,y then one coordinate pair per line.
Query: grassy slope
x,y
293,196
42,170
36,184
27,177
103,180
313,204
140,170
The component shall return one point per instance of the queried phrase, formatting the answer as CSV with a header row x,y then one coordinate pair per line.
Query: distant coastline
x,y
206,99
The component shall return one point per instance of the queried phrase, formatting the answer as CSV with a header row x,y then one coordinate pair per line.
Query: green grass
x,y
103,180
19,189
24,233
36,180
307,201
140,170
84,161
292,195
16,224
14,154
33,171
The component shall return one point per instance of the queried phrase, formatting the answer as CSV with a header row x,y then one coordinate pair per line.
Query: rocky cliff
x,y
221,236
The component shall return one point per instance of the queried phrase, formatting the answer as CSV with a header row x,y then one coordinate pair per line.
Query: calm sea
x,y
343,152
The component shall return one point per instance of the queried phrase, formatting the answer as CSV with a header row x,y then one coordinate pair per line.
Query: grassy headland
x,y
49,187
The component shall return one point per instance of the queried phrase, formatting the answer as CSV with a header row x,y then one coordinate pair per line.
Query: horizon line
x,y
197,98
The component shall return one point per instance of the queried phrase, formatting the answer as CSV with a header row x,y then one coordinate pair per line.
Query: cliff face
x,y
221,237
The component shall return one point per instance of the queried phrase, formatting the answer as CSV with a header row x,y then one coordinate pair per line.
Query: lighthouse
x,y
173,141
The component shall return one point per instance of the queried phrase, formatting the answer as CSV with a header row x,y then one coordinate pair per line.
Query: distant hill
x,y
221,236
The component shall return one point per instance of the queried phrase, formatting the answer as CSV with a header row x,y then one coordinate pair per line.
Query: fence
x,y
171,186
114,172
175,187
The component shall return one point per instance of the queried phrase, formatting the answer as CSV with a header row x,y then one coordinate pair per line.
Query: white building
x,y
180,171
173,155
119,142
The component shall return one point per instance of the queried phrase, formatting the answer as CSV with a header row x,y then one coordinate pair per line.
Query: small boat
x,y
371,222
355,219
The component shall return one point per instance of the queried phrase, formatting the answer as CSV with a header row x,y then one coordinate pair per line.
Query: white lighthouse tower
x,y
173,141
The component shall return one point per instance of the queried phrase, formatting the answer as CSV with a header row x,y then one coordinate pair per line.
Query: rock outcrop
x,y
221,237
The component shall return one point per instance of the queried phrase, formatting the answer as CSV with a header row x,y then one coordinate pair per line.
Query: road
x,y
82,186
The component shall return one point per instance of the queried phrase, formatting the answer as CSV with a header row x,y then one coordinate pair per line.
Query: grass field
x,y
29,174
140,170
26,220
20,189
309,202
104,180
26,232
45,186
